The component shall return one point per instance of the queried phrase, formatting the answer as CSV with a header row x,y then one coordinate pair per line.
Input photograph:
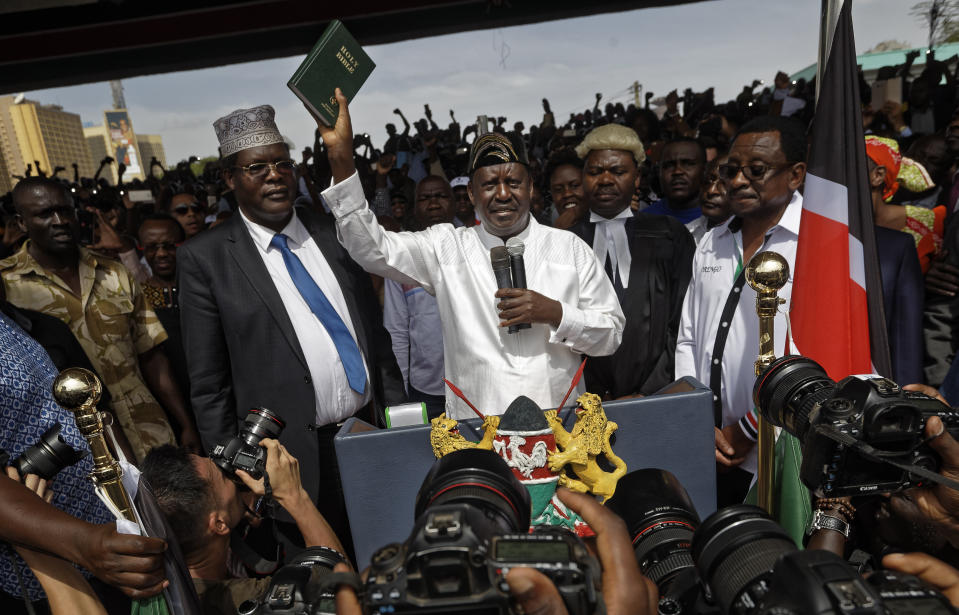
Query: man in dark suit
x,y
276,314
647,257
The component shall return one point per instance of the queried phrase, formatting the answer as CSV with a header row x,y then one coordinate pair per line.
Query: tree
x,y
941,17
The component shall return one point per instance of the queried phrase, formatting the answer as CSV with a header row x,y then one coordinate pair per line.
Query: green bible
x,y
336,61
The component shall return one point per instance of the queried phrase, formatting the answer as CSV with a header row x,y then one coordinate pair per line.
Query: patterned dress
x,y
114,324
926,227
27,409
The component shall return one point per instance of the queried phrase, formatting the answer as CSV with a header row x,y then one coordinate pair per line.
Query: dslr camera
x,y
740,562
243,452
472,527
861,436
298,588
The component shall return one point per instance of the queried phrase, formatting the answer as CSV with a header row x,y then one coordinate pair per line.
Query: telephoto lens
x,y
788,391
48,456
735,550
243,452
479,478
661,520
261,423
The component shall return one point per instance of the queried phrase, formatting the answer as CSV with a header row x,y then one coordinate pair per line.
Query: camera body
x,y
243,452
450,563
868,412
297,588
821,582
472,527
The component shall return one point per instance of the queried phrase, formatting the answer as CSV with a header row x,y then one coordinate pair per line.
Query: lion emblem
x,y
446,438
579,449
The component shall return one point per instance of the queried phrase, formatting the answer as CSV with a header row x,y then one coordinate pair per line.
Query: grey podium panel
x,y
382,469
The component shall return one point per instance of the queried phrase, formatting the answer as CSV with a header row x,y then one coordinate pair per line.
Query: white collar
x,y
623,215
789,221
609,239
262,236
490,241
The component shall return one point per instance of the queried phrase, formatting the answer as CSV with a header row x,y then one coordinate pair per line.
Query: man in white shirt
x,y
765,168
570,304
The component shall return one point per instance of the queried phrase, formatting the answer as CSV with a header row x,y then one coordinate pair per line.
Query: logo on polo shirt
x,y
712,268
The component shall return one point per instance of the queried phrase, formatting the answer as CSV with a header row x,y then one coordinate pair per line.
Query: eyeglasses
x,y
181,210
155,247
753,172
259,169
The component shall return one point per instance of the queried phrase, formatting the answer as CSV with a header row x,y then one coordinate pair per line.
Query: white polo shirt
x,y
714,272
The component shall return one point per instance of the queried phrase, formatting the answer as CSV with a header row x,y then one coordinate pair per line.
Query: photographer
x,y
204,506
625,589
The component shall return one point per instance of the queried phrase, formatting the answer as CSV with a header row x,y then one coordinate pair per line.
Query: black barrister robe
x,y
662,256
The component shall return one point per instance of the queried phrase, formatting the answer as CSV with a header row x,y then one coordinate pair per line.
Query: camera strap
x,y
332,582
869,452
719,346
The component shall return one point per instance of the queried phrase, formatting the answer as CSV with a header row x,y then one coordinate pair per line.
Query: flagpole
x,y
827,29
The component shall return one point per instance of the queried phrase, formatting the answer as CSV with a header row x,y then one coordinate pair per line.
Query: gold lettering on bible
x,y
347,59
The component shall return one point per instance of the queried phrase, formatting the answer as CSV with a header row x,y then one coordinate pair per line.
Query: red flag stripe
x,y
828,311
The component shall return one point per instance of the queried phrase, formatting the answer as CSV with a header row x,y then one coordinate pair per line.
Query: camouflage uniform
x,y
113,323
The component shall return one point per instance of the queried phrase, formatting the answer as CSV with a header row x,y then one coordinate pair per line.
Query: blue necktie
x,y
323,309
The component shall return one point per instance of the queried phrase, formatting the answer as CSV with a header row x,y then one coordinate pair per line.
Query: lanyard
x,y
739,255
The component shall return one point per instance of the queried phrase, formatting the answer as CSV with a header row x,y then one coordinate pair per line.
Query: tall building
x,y
32,134
99,144
6,182
151,146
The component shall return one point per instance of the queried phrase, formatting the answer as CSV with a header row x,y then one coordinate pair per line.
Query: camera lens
x,y
789,389
48,456
661,519
480,478
261,423
735,550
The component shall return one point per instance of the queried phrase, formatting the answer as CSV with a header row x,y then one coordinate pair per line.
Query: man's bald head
x,y
29,186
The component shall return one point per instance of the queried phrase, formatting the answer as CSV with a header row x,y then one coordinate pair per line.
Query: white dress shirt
x,y
490,366
335,400
609,239
714,271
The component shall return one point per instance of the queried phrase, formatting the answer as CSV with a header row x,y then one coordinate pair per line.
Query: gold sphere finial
x,y
767,272
76,387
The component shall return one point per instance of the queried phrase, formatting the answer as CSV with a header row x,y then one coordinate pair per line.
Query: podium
x,y
382,469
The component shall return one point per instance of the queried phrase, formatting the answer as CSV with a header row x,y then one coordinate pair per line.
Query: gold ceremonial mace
x,y
78,390
766,273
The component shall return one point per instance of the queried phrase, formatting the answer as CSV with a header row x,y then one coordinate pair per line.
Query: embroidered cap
x,y
494,148
246,128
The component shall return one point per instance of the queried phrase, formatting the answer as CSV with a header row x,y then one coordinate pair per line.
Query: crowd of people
x,y
358,278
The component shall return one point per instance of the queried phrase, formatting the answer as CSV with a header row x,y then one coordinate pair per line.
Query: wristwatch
x,y
822,521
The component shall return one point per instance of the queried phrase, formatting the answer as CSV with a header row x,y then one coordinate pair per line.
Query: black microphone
x,y
515,249
499,258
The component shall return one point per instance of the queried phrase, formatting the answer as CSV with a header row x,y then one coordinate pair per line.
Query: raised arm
x,y
404,257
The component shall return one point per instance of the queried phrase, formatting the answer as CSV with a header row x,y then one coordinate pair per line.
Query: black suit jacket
x,y
902,296
662,252
241,348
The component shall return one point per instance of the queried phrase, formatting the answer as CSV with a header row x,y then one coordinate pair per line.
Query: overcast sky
x,y
506,72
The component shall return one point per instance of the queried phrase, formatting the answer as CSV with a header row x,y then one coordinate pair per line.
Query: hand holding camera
x,y
284,472
939,503
625,589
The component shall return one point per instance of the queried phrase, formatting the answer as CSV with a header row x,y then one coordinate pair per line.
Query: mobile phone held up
x,y
88,223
